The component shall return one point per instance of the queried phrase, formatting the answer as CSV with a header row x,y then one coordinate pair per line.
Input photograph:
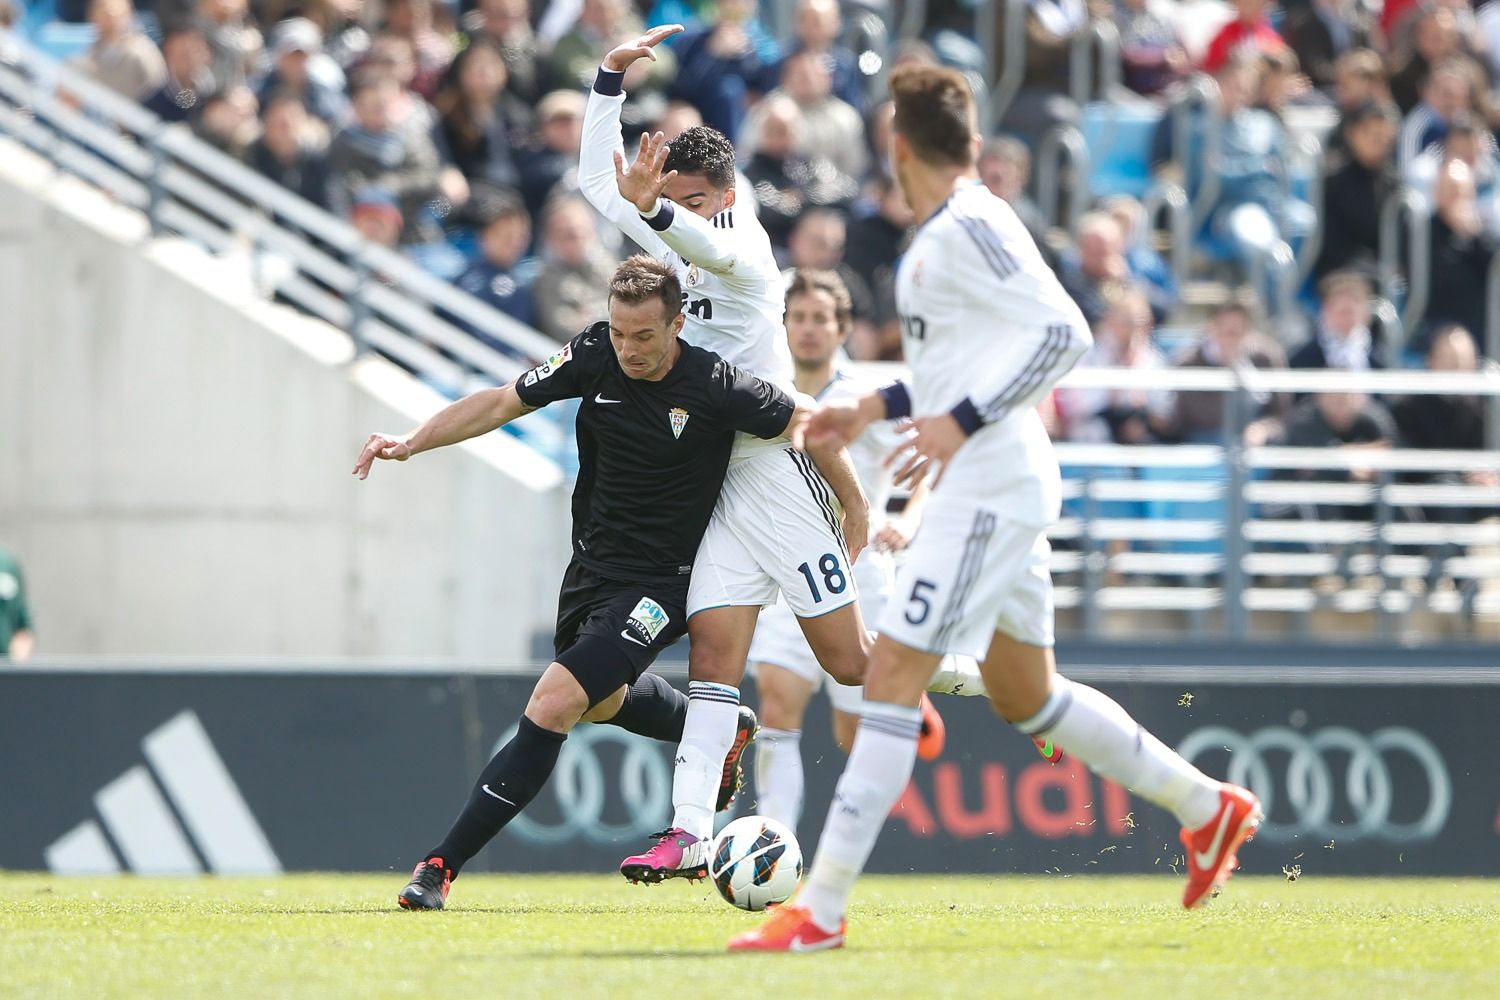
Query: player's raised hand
x,y
643,181
384,446
621,56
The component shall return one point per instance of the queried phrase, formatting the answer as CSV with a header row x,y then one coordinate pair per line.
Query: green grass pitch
x,y
1111,938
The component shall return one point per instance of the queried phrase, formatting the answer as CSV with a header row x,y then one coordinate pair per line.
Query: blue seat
x,y
1119,141
1190,510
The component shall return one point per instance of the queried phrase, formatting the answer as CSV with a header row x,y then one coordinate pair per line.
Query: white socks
x,y
707,735
778,775
1092,727
958,675
880,765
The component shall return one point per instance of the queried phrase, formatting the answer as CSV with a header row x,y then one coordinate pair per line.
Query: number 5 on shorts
x,y
833,576
919,598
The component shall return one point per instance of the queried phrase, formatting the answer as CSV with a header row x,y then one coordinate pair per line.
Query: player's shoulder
x,y
848,383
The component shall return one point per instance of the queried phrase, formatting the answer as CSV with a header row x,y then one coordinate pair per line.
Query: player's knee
x,y
1016,706
846,668
558,701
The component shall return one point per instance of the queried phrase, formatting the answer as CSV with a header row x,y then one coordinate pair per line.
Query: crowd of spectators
x,y
451,132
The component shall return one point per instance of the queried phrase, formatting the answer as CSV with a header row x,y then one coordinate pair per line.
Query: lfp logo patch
x,y
679,418
645,622
549,366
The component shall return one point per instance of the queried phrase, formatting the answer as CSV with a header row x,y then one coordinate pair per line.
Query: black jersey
x,y
652,455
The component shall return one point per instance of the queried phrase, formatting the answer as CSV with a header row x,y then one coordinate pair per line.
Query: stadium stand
x,y
472,110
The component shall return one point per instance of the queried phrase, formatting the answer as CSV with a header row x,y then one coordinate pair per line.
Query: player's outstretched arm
x,y
602,141
471,416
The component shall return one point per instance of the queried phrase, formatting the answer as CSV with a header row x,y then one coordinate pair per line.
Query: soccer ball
x,y
755,862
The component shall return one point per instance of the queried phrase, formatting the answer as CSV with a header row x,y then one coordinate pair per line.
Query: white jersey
x,y
734,295
984,319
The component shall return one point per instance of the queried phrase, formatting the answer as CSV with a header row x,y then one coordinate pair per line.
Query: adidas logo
x,y
201,822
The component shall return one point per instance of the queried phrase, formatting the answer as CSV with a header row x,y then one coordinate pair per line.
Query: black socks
x,y
508,782
652,708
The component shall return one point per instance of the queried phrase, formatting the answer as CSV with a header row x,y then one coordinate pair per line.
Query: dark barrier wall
x,y
1364,771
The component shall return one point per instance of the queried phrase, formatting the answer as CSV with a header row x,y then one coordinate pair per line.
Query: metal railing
x,y
1414,278
297,251
1063,144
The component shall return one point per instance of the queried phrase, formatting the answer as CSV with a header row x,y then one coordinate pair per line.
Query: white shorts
x,y
968,574
779,640
777,529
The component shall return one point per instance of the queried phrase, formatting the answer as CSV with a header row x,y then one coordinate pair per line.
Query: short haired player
x,y
657,421
819,316
987,331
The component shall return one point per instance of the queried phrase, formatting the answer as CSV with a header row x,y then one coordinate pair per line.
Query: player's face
x,y
694,193
812,327
645,341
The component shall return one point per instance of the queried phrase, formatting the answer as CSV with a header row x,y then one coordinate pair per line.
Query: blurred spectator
x,y
292,150
503,276
719,66
411,20
1122,416
833,130
1440,423
233,38
227,121
1230,341
507,23
1150,48
600,27
1094,271
1427,420
10,53
876,241
1472,146
552,166
375,214
1147,267
1251,213
300,67
817,243
1447,93
17,634
392,56
1435,39
818,25
1005,168
186,57
1342,338
1249,35
372,151
572,289
1321,32
677,119
1461,253
1487,34
480,123
777,174
1347,420
1282,84
1044,98
1358,79
1358,179
122,57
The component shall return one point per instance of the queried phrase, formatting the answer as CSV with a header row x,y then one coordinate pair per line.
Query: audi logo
x,y
579,786
1309,784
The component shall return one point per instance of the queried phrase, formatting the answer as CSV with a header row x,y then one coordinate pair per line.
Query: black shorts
x,y
610,631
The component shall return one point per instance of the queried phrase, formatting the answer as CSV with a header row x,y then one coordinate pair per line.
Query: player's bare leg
x,y
784,697
1217,818
840,642
720,639
879,767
